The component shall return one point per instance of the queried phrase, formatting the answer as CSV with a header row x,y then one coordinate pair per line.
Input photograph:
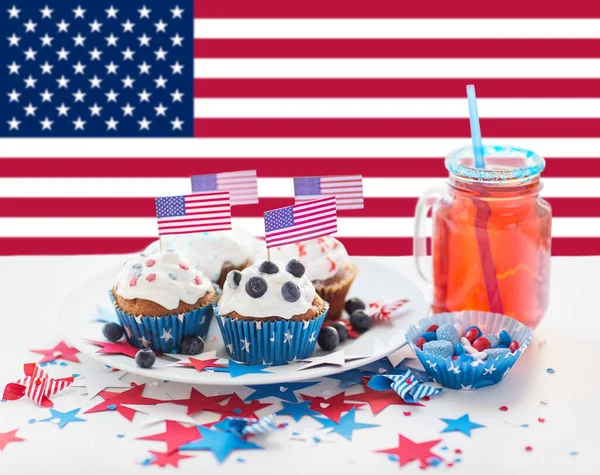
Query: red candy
x,y
432,328
420,342
482,344
514,346
472,335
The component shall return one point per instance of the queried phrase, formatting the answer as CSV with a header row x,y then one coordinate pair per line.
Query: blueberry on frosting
x,y
268,267
295,267
290,291
234,278
256,287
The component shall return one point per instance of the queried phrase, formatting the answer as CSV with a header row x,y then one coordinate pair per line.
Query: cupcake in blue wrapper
x,y
160,299
270,313
464,367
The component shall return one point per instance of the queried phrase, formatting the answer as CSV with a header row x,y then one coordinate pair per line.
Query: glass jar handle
x,y
425,203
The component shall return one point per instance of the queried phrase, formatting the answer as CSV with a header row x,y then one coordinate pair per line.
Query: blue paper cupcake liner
x,y
164,334
256,342
465,372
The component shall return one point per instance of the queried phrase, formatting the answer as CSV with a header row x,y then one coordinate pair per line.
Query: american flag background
x,y
348,190
242,185
93,129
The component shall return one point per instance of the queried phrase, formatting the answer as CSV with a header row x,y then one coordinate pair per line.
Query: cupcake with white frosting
x,y
270,313
214,254
160,299
328,266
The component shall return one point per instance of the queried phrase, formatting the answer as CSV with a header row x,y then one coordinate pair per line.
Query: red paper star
x,y
407,451
175,435
237,408
379,400
62,351
351,331
119,348
332,407
201,365
199,402
131,396
8,437
164,459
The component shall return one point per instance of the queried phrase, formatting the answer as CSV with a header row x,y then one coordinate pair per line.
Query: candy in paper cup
x,y
466,372
256,342
164,334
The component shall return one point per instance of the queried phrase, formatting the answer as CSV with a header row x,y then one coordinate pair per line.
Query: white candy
x,y
479,355
470,350
464,342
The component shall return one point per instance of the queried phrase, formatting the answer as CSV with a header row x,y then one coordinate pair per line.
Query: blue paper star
x,y
221,444
348,378
462,424
284,392
63,417
378,367
346,426
236,369
104,315
297,410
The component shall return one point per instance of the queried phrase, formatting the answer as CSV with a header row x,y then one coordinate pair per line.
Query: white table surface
x,y
32,288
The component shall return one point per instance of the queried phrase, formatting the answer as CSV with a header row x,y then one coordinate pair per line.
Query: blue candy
x,y
505,338
449,333
493,339
459,349
429,336
497,352
443,349
479,332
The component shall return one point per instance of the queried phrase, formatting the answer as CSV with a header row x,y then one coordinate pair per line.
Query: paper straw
x,y
475,127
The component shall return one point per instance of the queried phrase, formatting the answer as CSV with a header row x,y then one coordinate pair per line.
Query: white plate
x,y
374,282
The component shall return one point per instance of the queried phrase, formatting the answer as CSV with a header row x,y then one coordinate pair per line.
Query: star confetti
x,y
462,424
161,412
297,410
62,351
236,369
407,451
97,379
336,358
8,437
199,402
348,378
119,348
61,419
162,459
202,365
238,408
221,444
345,426
37,385
379,400
332,407
285,392
175,436
115,402
241,426
184,360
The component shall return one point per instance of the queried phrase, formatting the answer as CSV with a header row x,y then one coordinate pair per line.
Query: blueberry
x,y
234,278
328,338
296,268
360,321
354,304
342,330
268,267
290,291
192,345
112,332
256,287
145,358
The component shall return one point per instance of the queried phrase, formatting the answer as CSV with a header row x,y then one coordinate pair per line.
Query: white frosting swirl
x,y
164,278
209,251
272,303
323,257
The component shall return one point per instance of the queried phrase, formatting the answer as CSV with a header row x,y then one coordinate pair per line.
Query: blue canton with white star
x,y
204,183
170,206
307,186
279,219
96,68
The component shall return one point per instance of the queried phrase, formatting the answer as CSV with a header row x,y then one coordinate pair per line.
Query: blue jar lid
x,y
501,163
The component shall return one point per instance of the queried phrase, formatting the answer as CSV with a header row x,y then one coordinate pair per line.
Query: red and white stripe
x,y
336,87
242,186
348,191
312,219
204,212
39,385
